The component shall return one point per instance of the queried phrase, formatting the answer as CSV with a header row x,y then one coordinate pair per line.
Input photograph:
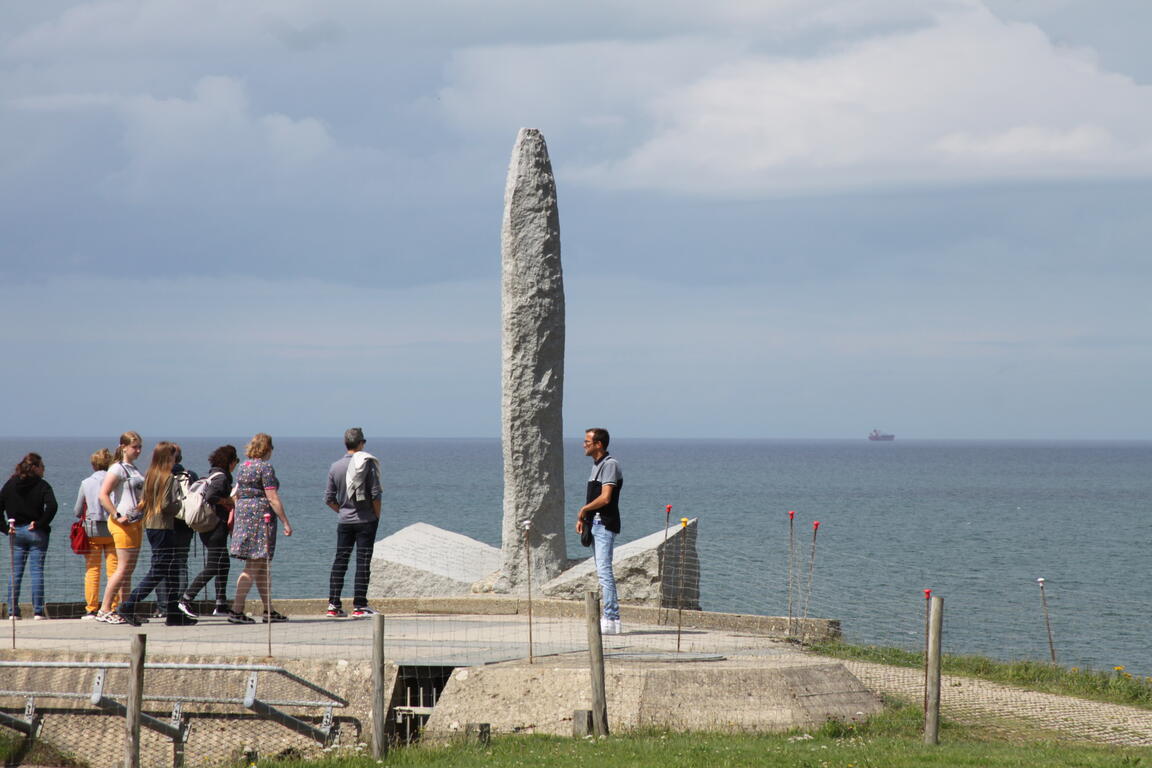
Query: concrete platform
x,y
727,672
447,631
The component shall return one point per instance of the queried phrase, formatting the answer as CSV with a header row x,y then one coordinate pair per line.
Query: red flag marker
x,y
791,514
815,526
927,594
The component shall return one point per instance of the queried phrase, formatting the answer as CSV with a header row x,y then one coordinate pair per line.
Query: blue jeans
x,y
28,547
603,542
161,572
168,591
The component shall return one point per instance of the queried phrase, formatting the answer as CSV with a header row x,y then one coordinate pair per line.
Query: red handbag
x,y
79,536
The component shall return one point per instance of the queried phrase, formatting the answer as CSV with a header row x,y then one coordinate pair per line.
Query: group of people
x,y
119,506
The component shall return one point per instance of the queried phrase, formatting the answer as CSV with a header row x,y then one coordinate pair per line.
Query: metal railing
x,y
177,726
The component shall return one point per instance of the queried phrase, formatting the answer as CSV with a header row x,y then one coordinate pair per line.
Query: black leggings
x,y
215,566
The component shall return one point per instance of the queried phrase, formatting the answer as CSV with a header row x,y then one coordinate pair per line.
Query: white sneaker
x,y
89,616
616,628
609,626
39,617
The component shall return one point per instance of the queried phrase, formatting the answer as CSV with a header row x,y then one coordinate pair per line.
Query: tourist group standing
x,y
118,507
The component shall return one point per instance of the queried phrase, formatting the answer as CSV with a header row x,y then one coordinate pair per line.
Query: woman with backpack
x,y
29,505
160,503
100,543
182,544
217,492
120,498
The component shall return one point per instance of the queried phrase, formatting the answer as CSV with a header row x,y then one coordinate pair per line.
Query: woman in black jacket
x,y
223,461
29,506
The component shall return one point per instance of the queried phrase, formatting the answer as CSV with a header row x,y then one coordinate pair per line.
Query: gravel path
x,y
979,702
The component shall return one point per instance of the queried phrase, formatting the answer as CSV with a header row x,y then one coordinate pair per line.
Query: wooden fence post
x,y
135,702
932,712
596,663
379,694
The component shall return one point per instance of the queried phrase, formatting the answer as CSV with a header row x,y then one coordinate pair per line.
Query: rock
x,y
422,560
532,367
649,571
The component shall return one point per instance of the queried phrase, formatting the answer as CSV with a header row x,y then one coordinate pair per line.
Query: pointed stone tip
x,y
526,135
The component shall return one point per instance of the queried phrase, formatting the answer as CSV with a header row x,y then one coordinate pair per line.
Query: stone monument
x,y
424,561
532,367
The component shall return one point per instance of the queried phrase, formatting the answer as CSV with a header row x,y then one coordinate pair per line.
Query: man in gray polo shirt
x,y
353,493
601,512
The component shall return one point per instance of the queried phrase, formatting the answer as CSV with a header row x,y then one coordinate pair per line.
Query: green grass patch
x,y
14,749
1115,686
891,739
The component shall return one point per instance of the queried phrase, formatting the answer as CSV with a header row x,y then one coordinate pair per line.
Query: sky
x,y
779,218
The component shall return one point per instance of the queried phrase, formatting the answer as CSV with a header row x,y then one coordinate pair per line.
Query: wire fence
x,y
469,662
803,570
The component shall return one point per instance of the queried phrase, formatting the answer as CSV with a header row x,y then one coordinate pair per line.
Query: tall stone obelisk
x,y
532,367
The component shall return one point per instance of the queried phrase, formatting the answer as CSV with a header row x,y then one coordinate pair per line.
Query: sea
x,y
978,523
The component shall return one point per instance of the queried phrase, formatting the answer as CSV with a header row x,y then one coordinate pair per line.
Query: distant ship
x,y
878,435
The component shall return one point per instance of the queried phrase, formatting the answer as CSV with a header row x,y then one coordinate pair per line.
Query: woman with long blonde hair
x,y
254,532
160,503
120,496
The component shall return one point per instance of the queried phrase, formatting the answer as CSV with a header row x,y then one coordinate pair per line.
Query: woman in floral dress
x,y
253,530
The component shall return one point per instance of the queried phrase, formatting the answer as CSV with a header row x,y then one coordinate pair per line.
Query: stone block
x,y
422,560
660,569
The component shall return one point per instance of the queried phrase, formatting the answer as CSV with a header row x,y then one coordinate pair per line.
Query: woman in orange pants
x,y
101,546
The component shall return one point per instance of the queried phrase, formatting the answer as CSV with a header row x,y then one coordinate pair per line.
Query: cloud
x,y
213,139
116,28
967,98
736,97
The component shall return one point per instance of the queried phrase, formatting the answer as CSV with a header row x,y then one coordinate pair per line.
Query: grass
x,y
891,739
13,749
1115,686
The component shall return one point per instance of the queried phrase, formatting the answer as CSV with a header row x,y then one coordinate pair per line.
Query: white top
x,y
356,478
88,499
127,494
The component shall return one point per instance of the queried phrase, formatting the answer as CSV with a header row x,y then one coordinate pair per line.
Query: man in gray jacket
x,y
358,516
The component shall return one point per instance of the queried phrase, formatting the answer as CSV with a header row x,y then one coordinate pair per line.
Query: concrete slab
x,y
414,562
661,569
771,693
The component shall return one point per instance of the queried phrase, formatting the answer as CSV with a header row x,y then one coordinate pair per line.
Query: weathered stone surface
x,y
422,560
649,571
532,367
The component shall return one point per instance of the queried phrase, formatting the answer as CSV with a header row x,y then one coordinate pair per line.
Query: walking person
x,y
181,544
602,512
217,492
120,497
101,547
160,502
353,493
254,531
29,505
